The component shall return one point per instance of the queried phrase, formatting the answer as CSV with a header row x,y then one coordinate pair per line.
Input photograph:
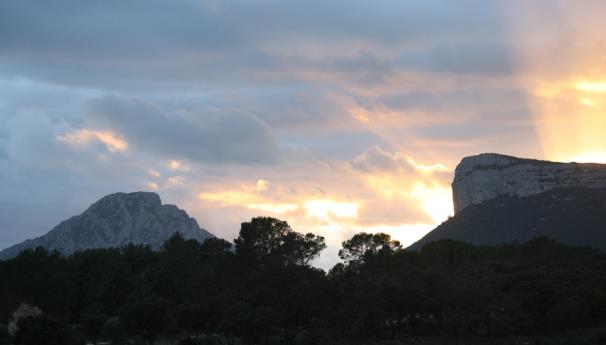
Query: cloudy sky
x,y
338,116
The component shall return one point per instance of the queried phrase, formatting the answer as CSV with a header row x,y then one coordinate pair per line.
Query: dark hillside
x,y
574,216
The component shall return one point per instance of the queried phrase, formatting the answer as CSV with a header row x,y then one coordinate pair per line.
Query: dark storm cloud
x,y
202,135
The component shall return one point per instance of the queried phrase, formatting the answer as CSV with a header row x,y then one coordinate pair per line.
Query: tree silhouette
x,y
266,291
363,245
266,238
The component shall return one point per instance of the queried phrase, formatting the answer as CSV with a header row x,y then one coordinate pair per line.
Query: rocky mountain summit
x,y
501,199
489,175
115,220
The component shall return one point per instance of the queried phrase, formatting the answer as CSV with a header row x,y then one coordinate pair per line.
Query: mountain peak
x,y
142,197
131,201
116,220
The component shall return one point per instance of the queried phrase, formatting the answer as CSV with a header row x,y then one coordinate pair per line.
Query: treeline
x,y
264,290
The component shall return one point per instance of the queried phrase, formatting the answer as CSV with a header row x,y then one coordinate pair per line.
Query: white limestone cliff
x,y
489,175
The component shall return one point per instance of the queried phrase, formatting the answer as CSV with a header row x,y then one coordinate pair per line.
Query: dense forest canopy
x,y
264,290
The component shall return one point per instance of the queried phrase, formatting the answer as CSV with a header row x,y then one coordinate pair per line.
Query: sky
x,y
337,116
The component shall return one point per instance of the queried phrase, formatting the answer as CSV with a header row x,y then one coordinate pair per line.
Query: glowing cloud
x,y
83,137
262,185
176,180
153,173
592,87
398,179
249,197
229,198
274,208
324,209
436,201
587,102
176,165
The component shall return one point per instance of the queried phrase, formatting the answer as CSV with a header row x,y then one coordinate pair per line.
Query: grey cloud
x,y
298,105
125,28
332,143
122,44
471,103
39,176
375,159
56,102
155,24
204,135
482,56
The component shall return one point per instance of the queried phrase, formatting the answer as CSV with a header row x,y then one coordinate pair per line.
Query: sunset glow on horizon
x,y
565,80
571,122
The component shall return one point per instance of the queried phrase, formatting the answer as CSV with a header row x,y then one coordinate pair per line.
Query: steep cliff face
x,y
116,220
486,176
501,199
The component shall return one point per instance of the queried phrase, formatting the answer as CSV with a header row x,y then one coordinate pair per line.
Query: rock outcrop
x,y
487,176
116,220
501,199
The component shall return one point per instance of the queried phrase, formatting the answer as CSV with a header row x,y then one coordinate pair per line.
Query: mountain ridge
x,y
115,220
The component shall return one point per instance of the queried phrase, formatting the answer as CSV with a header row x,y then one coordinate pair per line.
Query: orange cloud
x,y
83,137
153,173
326,209
274,208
